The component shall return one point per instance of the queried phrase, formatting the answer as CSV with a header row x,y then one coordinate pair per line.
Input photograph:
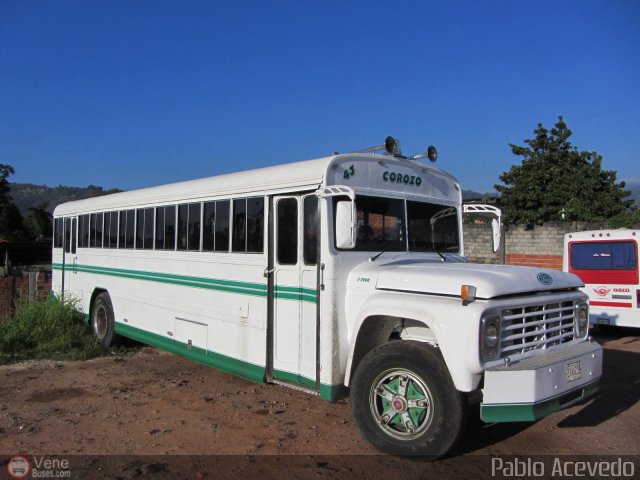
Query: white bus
x,y
339,276
607,263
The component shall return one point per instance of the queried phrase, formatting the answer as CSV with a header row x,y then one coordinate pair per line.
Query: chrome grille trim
x,y
536,326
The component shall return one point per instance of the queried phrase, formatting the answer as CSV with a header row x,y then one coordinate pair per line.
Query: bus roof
x,y
308,174
603,235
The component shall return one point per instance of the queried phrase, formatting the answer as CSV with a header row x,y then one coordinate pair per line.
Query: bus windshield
x,y
604,255
397,225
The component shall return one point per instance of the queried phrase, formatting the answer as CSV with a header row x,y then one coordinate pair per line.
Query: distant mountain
x,y
473,195
27,195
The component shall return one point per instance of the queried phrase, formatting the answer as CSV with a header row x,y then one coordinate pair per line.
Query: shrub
x,y
51,329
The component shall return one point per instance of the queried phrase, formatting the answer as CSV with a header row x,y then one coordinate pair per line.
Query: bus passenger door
x,y
69,258
294,249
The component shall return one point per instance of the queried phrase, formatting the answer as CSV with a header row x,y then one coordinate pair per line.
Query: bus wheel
x,y
404,400
102,320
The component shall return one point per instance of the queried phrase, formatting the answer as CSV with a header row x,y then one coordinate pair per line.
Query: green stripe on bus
x,y
327,392
245,288
283,288
157,275
249,371
292,296
230,286
246,370
296,293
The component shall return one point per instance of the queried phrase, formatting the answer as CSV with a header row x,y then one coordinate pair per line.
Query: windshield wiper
x,y
388,244
384,249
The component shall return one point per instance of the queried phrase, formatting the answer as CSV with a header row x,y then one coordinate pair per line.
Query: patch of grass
x,y
46,330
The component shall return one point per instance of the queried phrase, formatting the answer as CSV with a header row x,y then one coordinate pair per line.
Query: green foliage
x,y
50,329
10,218
5,171
38,222
555,181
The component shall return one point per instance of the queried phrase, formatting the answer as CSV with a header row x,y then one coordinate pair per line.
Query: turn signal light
x,y
467,294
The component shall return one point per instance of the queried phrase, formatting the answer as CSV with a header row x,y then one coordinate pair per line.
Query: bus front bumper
x,y
534,387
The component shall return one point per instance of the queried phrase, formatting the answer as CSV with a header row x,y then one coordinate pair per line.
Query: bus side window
x,y
123,229
287,248
127,233
67,235
311,226
193,239
209,226
165,228
144,228
183,212
83,231
222,226
255,225
160,228
92,230
74,228
99,230
239,237
58,234
131,219
189,226
170,227
148,228
111,230
139,228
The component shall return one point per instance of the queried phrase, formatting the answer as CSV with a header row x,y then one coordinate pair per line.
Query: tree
x,y
38,223
10,218
557,182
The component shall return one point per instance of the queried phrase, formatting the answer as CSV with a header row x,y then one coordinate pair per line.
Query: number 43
x,y
349,172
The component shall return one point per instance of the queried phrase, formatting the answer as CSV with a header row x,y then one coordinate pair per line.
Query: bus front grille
x,y
534,327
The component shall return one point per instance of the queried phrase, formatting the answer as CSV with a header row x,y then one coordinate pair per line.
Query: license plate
x,y
603,321
572,371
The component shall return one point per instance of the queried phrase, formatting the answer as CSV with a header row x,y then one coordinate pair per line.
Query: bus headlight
x,y
582,318
490,337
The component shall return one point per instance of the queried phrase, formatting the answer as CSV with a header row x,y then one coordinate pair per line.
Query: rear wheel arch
x,y
94,294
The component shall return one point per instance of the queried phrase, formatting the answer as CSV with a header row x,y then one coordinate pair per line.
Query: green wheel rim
x,y
401,403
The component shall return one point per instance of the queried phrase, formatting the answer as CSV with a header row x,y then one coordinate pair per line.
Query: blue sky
x,y
136,93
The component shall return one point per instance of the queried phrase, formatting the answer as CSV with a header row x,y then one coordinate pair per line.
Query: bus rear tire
x,y
103,320
404,400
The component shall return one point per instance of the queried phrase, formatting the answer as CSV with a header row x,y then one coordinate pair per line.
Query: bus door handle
x,y
75,264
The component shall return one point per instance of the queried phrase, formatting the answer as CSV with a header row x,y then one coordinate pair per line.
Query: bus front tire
x,y
102,320
404,400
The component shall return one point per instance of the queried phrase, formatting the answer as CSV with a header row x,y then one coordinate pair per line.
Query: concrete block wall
x,y
478,244
537,247
540,246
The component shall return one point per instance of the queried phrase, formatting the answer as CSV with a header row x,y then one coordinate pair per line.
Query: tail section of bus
x,y
607,262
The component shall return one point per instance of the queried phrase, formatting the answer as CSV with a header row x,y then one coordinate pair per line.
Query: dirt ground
x,y
152,413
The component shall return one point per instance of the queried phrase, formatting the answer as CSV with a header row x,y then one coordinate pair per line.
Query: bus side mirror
x,y
345,225
495,228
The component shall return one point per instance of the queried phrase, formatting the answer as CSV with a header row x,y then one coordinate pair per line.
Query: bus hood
x,y
446,278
